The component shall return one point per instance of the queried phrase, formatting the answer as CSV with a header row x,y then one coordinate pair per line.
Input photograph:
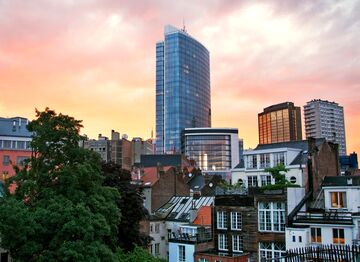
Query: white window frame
x,y
157,249
181,253
221,219
223,242
265,179
271,250
252,181
314,235
251,162
264,160
237,243
271,216
338,230
340,197
236,220
279,158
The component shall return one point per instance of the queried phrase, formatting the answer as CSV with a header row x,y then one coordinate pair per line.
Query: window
x,y
157,228
271,250
151,228
152,249
6,160
20,160
316,235
338,199
237,243
338,236
222,242
264,160
157,249
272,216
252,161
236,220
293,180
300,239
279,158
182,257
20,144
293,238
203,260
265,180
221,220
252,181
7,144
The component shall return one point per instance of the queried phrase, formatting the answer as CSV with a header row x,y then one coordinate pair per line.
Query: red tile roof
x,y
204,216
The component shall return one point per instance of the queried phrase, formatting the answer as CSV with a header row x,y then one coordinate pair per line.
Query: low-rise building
x,y
15,142
296,157
333,218
172,228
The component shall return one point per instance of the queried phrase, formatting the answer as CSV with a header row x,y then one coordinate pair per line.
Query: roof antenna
x,y
184,28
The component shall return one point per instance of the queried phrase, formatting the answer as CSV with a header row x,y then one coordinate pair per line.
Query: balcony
x,y
328,217
190,239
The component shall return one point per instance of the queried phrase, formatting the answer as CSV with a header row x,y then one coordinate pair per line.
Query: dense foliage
x,y
130,203
60,210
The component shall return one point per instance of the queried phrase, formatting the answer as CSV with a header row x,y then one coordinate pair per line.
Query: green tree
x,y
138,255
131,205
278,173
60,210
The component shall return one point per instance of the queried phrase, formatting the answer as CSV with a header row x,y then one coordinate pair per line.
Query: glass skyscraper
x,y
182,88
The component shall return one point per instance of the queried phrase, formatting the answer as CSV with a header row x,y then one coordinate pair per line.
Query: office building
x,y
324,119
182,88
214,150
280,123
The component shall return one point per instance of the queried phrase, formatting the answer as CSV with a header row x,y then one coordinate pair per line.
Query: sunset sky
x,y
95,59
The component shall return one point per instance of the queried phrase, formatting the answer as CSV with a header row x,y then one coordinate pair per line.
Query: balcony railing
x,y
185,237
326,217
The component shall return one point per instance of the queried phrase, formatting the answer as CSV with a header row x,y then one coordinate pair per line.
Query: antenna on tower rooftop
x,y
184,28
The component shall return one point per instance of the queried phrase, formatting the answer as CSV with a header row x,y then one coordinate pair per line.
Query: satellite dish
x,y
190,175
211,184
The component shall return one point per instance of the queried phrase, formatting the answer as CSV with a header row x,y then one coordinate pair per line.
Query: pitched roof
x,y
203,217
301,144
178,207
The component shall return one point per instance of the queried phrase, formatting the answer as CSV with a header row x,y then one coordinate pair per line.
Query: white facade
x,y
337,224
158,246
324,119
256,161
181,252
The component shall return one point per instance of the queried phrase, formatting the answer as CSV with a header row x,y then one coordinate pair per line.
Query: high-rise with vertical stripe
x,y
182,88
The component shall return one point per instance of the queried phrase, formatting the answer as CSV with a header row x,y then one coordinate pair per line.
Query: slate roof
x,y
341,181
14,126
302,144
178,207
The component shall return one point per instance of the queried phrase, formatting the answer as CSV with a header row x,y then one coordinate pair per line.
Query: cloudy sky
x,y
95,59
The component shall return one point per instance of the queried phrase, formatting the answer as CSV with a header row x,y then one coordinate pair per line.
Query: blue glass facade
x,y
182,88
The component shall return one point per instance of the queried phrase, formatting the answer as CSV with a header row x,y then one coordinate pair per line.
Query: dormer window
x,y
338,199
